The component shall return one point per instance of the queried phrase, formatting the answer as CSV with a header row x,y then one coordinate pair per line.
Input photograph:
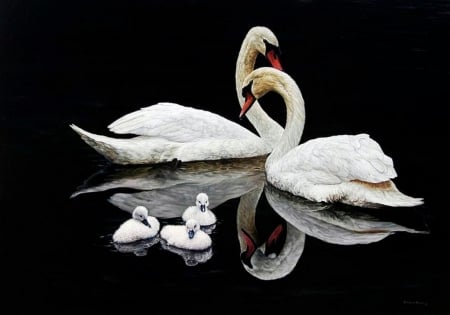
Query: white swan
x,y
141,226
351,169
188,236
167,131
200,212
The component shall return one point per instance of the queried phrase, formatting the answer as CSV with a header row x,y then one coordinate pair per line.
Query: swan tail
x,y
86,190
80,192
399,199
106,146
385,194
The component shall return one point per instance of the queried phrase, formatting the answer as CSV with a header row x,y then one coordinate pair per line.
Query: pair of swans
x,y
351,169
348,168
167,131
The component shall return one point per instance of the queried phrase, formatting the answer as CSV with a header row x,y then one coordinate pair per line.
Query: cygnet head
x,y
266,43
140,213
202,202
192,227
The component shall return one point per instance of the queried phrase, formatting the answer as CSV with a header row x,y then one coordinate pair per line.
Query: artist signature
x,y
415,302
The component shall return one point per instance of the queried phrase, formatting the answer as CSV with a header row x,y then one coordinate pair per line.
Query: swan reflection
x,y
138,248
276,256
335,223
190,257
266,259
166,191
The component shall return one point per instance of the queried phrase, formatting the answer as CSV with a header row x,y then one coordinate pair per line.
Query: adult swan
x,y
351,169
166,131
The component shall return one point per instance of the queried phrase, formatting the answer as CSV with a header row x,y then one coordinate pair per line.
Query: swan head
x,y
258,83
202,201
140,213
192,227
270,248
277,256
266,43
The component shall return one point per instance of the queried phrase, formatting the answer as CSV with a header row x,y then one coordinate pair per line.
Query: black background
x,y
380,67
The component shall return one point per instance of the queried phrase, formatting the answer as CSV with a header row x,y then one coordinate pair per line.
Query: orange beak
x,y
274,60
251,246
249,100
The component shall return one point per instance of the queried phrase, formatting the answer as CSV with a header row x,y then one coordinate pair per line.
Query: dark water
x,y
380,67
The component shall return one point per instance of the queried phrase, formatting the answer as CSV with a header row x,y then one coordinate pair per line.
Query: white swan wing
x,y
178,123
336,159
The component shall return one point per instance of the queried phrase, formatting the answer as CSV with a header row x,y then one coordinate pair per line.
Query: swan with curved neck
x,y
167,131
351,169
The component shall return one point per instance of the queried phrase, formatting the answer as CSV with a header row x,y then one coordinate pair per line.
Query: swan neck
x,y
246,214
245,64
295,120
266,127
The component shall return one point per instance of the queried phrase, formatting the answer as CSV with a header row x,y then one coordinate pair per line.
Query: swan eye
x,y
272,48
247,89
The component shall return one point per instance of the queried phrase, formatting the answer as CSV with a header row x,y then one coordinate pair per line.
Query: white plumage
x,y
141,226
182,125
351,169
188,236
200,212
167,131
